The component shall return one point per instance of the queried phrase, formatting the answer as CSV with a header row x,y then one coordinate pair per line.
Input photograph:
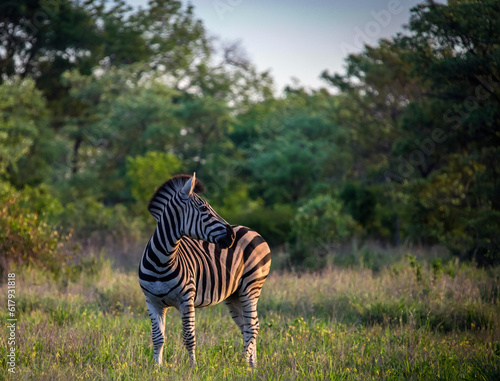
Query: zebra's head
x,y
200,221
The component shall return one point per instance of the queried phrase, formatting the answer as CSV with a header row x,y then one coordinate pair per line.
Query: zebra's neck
x,y
165,241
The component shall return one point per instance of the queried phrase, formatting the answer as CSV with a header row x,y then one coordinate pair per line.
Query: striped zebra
x,y
196,259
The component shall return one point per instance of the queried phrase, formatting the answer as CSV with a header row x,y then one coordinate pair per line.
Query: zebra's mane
x,y
167,190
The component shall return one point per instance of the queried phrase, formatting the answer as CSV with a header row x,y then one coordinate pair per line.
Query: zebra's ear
x,y
193,183
187,189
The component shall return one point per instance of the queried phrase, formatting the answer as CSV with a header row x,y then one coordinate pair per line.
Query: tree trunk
x,y
76,152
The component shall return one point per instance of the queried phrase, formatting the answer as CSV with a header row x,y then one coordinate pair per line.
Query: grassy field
x,y
409,320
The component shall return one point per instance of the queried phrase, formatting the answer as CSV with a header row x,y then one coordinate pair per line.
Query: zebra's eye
x,y
203,208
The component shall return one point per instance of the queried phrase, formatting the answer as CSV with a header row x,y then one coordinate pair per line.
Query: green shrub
x,y
96,223
319,224
235,205
26,237
273,223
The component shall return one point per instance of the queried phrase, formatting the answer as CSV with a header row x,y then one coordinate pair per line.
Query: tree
x,y
148,172
123,115
27,144
456,49
286,144
422,112
44,39
375,91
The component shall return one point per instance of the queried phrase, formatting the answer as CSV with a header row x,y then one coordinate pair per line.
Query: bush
x,y
234,204
273,223
26,237
319,224
95,224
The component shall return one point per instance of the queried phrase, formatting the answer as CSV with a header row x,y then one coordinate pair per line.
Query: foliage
x,y
360,202
148,172
289,146
101,103
318,225
459,61
26,236
272,223
435,115
26,143
96,224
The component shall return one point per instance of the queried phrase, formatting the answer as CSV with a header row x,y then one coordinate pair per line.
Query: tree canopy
x,y
100,103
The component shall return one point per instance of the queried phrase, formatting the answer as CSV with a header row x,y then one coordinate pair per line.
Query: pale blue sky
x,y
301,38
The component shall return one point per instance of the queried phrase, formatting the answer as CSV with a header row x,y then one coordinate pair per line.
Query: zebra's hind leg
x,y
157,315
236,311
188,331
251,328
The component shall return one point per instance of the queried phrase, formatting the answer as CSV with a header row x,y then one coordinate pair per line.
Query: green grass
x,y
405,321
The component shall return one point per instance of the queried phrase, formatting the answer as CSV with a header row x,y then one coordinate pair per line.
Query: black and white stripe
x,y
196,259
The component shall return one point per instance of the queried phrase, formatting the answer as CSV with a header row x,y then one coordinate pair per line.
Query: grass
x,y
410,320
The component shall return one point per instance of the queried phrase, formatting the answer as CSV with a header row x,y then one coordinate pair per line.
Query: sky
x,y
301,38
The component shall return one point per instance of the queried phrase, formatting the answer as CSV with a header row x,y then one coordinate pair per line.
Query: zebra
x,y
196,259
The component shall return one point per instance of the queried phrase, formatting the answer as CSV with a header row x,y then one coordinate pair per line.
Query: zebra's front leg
x,y
188,331
157,315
